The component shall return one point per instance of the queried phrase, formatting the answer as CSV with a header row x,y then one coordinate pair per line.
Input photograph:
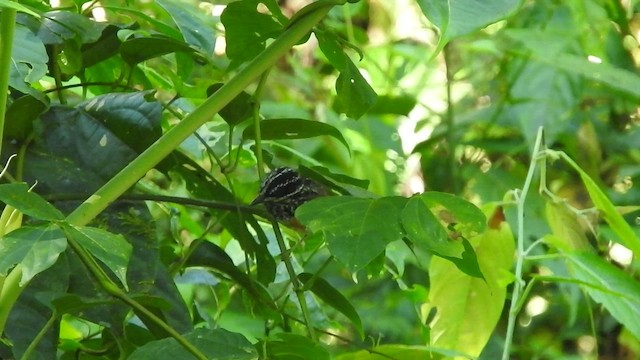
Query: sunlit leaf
x,y
468,308
625,306
287,346
113,250
36,248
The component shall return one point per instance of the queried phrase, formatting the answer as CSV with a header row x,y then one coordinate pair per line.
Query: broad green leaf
x,y
247,30
195,29
134,118
113,250
137,50
566,228
36,248
237,110
340,183
356,230
28,202
458,18
272,129
21,114
590,268
58,26
28,59
217,344
620,227
19,7
395,351
333,298
355,95
425,231
456,212
468,308
285,346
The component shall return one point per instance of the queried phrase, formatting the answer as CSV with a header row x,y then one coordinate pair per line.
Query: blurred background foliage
x,y
457,110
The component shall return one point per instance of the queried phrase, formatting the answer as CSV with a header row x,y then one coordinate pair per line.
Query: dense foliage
x,y
481,158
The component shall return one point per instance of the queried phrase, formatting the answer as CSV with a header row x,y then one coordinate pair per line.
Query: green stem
x,y
7,28
111,288
257,95
174,137
449,120
295,283
9,294
34,343
520,254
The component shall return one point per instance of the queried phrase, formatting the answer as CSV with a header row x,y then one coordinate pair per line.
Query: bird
x,y
284,190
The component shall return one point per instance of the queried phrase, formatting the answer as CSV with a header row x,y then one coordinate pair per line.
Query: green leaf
x,y
36,248
456,212
425,231
391,104
217,344
284,346
395,351
625,307
237,110
458,18
137,50
21,114
247,30
28,202
194,27
355,95
134,118
28,59
58,26
468,308
356,230
113,250
566,229
626,235
273,129
333,298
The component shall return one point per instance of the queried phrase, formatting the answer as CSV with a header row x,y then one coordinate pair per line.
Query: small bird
x,y
283,190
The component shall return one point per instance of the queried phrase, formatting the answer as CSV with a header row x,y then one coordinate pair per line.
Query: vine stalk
x,y
520,197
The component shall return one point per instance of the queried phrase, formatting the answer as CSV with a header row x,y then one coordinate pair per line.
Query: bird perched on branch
x,y
283,190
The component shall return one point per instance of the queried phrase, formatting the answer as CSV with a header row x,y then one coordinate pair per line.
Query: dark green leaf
x,y
237,110
28,202
356,230
21,115
355,95
132,117
272,129
137,50
286,346
333,298
113,250
194,27
36,248
247,30
58,26
590,268
217,344
469,261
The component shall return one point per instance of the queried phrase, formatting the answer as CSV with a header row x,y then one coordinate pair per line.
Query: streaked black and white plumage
x,y
283,190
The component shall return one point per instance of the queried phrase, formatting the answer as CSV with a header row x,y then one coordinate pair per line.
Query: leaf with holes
x,y
356,230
